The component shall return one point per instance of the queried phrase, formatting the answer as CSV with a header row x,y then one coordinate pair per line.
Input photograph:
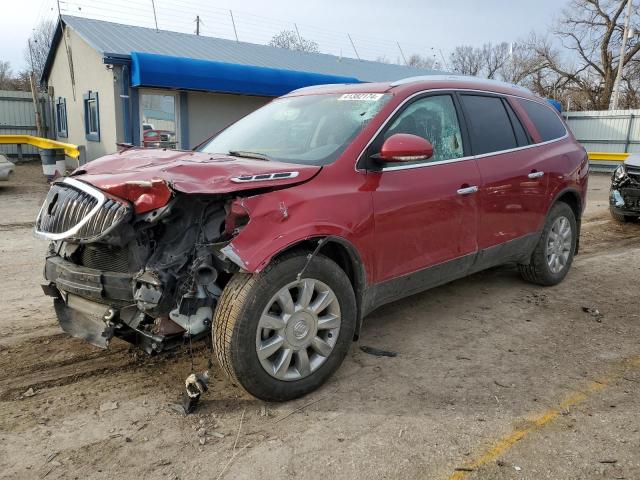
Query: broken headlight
x,y
619,173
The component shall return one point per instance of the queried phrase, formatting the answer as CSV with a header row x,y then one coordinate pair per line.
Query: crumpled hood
x,y
190,172
633,160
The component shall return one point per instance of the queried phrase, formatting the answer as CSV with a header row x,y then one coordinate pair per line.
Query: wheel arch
x,y
345,255
571,197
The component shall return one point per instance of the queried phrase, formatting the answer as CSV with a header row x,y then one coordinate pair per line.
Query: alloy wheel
x,y
298,329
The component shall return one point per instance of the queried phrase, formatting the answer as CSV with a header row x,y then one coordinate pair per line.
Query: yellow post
x,y
70,150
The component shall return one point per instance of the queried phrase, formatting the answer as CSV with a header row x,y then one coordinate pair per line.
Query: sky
x,y
419,26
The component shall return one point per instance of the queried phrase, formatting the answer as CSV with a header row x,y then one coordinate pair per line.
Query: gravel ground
x,y
494,379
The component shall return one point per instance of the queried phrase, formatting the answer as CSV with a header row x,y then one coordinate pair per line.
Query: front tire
x,y
280,337
552,258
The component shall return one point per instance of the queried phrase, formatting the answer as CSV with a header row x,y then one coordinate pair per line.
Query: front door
x,y
425,212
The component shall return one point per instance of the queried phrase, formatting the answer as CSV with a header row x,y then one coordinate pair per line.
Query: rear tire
x,y
273,310
552,258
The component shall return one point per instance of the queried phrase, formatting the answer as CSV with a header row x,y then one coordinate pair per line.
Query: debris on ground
x,y
106,406
195,385
594,312
378,352
29,393
51,456
517,468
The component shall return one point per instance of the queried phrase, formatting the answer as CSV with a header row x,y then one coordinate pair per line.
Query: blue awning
x,y
151,70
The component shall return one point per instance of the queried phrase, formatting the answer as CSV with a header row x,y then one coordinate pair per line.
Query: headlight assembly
x,y
619,173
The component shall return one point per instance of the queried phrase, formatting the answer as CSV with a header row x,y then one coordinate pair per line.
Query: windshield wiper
x,y
243,154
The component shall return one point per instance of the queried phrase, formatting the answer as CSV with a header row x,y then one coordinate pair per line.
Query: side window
x,y
61,117
518,129
434,119
490,127
91,116
546,120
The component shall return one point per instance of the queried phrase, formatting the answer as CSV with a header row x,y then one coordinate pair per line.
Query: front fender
x,y
279,220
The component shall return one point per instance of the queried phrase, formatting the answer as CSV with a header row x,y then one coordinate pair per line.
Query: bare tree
x,y
291,40
6,76
466,60
418,61
485,61
9,81
592,31
37,49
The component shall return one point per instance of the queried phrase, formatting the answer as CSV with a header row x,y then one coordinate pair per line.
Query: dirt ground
x,y
494,379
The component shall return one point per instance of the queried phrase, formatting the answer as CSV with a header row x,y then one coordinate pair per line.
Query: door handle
x,y
467,190
533,175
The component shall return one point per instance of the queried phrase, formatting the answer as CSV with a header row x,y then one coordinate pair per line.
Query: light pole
x,y
613,104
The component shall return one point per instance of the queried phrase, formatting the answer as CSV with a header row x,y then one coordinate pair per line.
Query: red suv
x,y
279,234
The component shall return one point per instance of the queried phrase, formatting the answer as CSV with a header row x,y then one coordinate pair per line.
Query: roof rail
x,y
461,78
313,87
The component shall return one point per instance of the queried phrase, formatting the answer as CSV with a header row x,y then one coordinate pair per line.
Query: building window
x,y
61,117
159,120
91,116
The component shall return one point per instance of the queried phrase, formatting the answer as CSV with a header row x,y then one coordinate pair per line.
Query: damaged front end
x,y
624,197
137,261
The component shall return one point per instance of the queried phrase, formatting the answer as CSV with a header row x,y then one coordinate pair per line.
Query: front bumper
x,y
103,287
86,300
625,201
96,305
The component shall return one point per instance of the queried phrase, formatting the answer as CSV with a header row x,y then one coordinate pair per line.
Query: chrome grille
x,y
77,211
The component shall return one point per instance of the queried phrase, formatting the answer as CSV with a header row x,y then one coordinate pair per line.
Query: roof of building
x,y
118,40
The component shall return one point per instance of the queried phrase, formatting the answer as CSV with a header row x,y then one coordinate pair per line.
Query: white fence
x,y
606,131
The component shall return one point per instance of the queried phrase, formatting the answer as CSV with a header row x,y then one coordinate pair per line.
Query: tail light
x,y
237,217
145,196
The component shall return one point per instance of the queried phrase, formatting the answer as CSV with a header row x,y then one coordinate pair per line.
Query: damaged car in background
x,y
279,234
624,198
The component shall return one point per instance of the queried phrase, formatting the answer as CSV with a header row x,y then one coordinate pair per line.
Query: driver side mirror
x,y
404,147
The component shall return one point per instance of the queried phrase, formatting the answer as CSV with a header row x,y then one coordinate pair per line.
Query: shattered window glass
x,y
434,119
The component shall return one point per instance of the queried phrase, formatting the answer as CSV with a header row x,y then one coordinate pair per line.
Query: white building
x,y
113,83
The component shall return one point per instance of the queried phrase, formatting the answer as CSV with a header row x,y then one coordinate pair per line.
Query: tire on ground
x,y
538,271
238,312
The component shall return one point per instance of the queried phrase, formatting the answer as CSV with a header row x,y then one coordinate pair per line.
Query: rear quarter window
x,y
546,121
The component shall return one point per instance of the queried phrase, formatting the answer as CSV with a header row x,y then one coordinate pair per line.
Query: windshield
x,y
311,129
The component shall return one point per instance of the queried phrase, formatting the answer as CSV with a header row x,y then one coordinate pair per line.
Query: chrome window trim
x,y
426,163
94,192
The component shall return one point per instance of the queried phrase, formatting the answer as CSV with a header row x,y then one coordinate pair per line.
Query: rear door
x,y
512,197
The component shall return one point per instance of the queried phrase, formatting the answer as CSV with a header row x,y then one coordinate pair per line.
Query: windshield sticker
x,y
359,97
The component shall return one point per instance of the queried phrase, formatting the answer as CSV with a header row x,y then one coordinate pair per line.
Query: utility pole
x,y
233,22
402,53
613,104
197,24
354,47
34,92
298,34
155,18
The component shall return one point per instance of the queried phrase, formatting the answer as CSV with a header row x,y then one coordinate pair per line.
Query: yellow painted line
x,y
607,156
537,422
69,149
